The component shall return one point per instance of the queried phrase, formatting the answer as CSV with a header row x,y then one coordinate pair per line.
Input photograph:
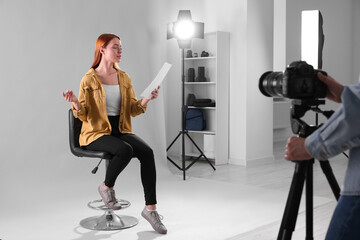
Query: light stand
x,y
184,29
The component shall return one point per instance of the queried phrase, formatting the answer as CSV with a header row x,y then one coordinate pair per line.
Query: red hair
x,y
102,41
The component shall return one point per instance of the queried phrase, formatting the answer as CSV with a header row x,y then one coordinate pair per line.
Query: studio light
x,y
312,38
184,30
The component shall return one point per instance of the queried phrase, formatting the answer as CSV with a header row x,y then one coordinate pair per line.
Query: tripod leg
x,y
170,147
327,170
174,163
293,201
202,154
183,155
173,141
309,206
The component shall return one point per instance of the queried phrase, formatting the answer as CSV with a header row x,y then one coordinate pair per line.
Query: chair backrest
x,y
74,133
75,125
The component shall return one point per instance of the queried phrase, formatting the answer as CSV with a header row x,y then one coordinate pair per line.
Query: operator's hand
x,y
296,150
334,90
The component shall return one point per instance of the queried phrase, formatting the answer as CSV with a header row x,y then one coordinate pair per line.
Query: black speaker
x,y
201,75
191,75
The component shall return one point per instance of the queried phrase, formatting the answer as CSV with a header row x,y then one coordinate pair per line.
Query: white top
x,y
113,99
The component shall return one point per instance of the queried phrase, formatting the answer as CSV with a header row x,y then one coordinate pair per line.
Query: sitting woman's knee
x,y
125,151
147,152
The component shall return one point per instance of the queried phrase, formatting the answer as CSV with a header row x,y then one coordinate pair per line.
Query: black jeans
x,y
124,147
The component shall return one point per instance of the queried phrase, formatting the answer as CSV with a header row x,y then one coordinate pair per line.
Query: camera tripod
x,y
304,173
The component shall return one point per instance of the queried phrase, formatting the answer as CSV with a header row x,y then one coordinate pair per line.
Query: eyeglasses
x,y
117,49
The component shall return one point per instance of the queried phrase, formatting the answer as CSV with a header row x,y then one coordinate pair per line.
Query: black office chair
x,y
109,220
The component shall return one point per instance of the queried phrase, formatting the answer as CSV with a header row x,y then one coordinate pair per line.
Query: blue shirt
x,y
341,132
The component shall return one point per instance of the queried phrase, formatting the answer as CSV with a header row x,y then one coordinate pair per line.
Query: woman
x,y
106,103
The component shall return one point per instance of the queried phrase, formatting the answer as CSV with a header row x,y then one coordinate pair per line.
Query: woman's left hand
x,y
154,94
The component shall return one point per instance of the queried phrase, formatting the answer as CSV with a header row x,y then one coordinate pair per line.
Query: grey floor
x,y
231,203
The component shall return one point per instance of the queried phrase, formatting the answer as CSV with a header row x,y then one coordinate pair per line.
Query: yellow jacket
x,y
93,107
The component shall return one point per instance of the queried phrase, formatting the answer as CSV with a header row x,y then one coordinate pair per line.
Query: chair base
x,y
109,221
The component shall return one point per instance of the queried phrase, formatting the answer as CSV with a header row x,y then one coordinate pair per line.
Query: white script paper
x,y
157,80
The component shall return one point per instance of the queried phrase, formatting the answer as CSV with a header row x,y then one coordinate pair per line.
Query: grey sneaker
x,y
108,197
154,219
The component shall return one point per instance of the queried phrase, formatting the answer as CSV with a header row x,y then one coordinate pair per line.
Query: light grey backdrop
x,y
47,47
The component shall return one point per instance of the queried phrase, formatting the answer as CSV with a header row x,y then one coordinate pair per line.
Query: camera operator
x,y
339,133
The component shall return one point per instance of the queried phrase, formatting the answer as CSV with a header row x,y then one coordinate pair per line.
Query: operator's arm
x,y
341,131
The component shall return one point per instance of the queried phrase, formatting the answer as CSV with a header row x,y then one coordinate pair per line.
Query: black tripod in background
x,y
304,172
183,132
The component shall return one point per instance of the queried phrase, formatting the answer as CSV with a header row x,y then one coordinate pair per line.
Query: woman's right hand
x,y
334,89
70,97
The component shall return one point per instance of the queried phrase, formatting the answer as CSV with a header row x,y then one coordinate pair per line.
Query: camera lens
x,y
298,81
271,84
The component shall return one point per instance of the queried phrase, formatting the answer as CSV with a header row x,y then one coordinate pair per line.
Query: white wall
x,y
279,35
259,122
46,47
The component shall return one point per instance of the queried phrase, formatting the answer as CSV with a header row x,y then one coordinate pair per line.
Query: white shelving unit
x,y
214,140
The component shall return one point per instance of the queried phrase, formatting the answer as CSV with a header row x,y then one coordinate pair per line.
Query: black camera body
x,y
298,81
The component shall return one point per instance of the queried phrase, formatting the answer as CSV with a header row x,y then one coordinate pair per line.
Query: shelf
x,y
210,108
215,138
202,132
199,83
199,58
